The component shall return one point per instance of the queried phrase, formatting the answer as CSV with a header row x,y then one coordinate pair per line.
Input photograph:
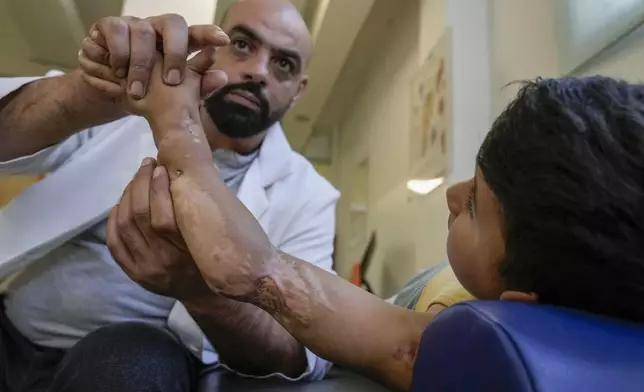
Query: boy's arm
x,y
343,323
247,339
235,328
335,319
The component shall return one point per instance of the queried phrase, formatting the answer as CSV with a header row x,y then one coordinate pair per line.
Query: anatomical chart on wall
x,y
431,117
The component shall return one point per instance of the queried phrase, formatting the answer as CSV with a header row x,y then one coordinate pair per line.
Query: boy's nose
x,y
453,197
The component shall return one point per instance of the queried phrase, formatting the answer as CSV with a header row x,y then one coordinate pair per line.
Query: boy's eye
x,y
470,202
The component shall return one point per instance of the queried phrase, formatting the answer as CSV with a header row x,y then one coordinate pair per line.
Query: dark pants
x,y
128,357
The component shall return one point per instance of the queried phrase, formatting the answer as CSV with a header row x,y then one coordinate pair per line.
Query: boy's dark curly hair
x,y
566,162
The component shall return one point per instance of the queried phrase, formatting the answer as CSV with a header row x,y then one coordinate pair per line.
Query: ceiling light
x,y
426,186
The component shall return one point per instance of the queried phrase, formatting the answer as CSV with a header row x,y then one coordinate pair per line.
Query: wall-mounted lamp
x,y
425,187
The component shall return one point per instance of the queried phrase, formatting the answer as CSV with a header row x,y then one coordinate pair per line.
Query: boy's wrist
x,y
180,116
180,139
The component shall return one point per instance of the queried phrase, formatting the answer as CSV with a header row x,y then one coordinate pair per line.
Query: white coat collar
x,y
272,164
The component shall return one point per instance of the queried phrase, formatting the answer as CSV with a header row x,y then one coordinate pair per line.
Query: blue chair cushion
x,y
509,346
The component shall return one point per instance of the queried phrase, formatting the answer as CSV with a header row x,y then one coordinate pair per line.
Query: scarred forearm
x,y
203,204
341,322
246,338
336,320
47,111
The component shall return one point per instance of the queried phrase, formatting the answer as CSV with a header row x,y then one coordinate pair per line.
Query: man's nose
x,y
257,70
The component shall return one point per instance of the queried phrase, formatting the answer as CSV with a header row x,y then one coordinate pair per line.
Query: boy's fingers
x,y
212,81
203,60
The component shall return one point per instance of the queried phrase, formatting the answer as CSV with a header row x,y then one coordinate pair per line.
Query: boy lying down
x,y
432,290
554,214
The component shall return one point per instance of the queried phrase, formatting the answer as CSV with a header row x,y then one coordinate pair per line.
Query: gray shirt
x,y
78,287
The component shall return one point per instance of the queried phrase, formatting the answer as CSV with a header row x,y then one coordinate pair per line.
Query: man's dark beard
x,y
238,121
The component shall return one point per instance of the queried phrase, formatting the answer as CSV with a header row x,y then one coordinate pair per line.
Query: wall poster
x,y
431,116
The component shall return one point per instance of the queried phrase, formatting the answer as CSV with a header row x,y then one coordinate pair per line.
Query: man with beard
x,y
71,319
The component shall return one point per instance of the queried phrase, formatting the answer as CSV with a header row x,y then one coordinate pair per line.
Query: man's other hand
x,y
200,81
127,47
143,238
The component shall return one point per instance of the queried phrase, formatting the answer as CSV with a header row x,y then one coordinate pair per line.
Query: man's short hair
x,y
566,163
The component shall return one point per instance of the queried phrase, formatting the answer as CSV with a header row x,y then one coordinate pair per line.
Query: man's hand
x,y
143,238
127,48
200,80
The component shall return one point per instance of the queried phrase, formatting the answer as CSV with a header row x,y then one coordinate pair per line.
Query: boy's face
x,y
475,244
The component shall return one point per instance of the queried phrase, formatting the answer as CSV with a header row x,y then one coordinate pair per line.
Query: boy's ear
x,y
519,296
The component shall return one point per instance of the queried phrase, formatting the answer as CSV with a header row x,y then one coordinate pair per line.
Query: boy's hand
x,y
163,99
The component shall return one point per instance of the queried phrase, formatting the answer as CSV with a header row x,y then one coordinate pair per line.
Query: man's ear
x,y
519,296
304,81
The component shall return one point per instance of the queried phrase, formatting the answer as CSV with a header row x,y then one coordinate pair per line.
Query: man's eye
x,y
241,45
285,65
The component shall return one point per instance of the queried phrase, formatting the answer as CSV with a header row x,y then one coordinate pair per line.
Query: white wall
x,y
375,130
495,42
624,59
14,60
525,46
413,229
194,11
469,24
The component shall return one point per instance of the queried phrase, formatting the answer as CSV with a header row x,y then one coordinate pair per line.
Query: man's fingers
x,y
97,37
173,30
161,207
143,40
109,88
98,70
212,81
116,33
201,36
140,196
163,218
117,248
95,52
128,230
129,46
